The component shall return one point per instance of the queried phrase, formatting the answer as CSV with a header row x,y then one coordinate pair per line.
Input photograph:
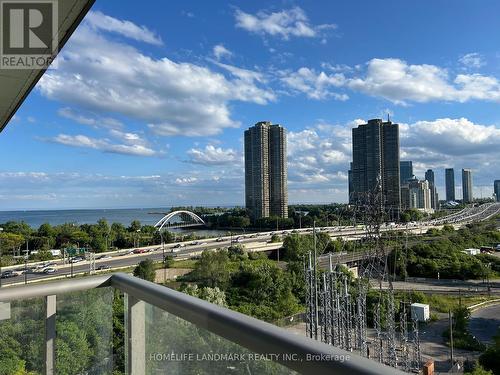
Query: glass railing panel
x,y
22,336
84,332
177,347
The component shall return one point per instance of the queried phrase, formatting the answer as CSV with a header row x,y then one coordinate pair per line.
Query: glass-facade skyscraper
x,y
429,176
375,155
266,190
467,195
405,171
496,189
450,184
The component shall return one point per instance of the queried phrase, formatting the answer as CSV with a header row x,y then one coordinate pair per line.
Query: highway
x,y
252,242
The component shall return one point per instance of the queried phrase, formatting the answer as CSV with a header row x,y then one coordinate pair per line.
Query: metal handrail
x,y
260,337
13,293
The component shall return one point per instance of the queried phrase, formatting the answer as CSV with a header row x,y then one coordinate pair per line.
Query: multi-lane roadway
x,y
252,242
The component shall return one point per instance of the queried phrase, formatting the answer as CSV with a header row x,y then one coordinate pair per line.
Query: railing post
x,y
136,336
50,334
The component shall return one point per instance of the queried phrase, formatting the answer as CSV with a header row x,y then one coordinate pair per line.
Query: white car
x,y
49,270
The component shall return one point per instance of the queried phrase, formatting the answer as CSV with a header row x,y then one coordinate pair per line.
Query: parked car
x,y
49,270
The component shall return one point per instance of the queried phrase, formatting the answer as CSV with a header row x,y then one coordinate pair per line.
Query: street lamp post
x,y
1,230
26,269
163,252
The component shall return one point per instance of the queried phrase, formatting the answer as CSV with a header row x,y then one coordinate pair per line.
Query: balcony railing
x,y
58,324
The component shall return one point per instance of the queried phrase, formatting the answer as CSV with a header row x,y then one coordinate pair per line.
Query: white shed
x,y
420,312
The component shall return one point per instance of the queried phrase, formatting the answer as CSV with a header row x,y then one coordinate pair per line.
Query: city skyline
x,y
314,67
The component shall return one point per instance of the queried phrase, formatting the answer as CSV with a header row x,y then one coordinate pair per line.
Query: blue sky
x,y
148,103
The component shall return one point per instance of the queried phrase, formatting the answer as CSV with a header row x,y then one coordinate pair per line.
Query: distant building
x,y
429,177
375,156
496,189
266,190
416,194
450,184
467,196
349,178
405,171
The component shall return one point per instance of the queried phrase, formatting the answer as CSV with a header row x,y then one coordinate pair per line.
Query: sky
x,y
149,100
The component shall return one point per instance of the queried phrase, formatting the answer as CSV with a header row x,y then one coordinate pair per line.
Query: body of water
x,y
149,216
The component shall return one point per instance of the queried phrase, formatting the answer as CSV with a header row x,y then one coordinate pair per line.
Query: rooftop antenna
x,y
388,117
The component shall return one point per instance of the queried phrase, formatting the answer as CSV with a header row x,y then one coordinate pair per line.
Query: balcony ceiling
x,y
16,84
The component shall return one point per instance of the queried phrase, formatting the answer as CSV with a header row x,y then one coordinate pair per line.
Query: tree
x,y
168,262
262,290
10,242
212,269
296,247
73,350
145,270
490,359
212,295
275,238
134,226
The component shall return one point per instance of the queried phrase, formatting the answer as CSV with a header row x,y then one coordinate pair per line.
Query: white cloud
x,y
453,137
128,138
285,23
318,156
174,98
93,121
98,20
220,51
472,60
212,155
136,148
315,85
399,82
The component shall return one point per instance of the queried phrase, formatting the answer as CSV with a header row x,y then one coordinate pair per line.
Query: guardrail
x,y
257,336
477,306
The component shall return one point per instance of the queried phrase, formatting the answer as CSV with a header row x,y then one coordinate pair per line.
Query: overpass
x,y
254,242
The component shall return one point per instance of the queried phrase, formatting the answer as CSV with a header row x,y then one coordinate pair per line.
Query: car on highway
x,y
179,245
77,260
103,267
104,257
49,270
194,243
8,274
140,251
220,239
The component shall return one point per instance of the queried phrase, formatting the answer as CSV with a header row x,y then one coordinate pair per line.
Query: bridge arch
x,y
166,220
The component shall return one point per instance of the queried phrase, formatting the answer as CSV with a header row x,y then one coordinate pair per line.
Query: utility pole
x,y
1,230
316,317
450,317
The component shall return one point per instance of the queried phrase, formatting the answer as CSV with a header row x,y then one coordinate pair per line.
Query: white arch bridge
x,y
179,219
